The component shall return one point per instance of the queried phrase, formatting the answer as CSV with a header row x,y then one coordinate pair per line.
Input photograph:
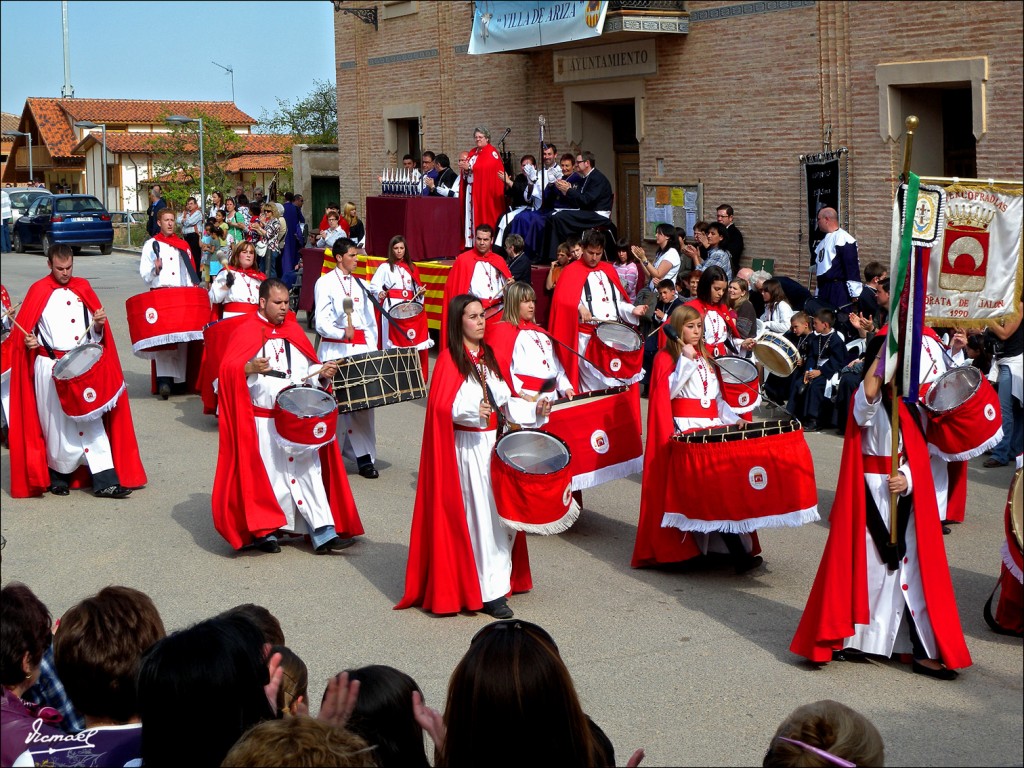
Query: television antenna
x,y
230,71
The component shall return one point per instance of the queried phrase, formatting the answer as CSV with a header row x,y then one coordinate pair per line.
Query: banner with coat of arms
x,y
974,273
512,26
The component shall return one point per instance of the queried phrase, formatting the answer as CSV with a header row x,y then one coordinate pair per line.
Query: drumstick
x,y
325,362
10,312
346,307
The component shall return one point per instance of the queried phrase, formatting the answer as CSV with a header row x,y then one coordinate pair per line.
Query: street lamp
x,y
28,138
89,126
182,120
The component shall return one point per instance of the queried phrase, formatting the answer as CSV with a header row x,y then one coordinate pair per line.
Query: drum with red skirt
x,y
167,316
964,419
88,381
616,350
1009,614
532,482
739,383
305,418
765,470
407,324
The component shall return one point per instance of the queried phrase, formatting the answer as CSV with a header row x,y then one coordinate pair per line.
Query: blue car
x,y
75,220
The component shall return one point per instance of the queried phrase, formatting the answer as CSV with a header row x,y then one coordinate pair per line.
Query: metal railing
x,y
665,6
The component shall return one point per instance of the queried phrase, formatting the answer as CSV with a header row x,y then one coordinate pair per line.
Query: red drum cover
x,y
408,331
1014,526
966,430
306,418
528,501
604,434
739,383
167,316
94,391
6,354
617,363
767,482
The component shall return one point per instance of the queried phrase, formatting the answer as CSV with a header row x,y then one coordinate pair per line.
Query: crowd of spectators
x,y
134,686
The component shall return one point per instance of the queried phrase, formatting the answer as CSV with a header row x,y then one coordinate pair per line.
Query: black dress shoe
x,y
498,608
60,490
113,492
335,544
748,563
165,391
939,674
369,471
850,654
267,544
946,530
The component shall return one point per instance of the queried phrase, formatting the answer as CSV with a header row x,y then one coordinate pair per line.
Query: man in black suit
x,y
589,202
733,242
447,182
156,202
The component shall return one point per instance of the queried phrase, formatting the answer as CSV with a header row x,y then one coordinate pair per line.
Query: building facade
x,y
727,95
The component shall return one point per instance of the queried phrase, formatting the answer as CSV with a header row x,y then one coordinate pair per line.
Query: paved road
x,y
693,666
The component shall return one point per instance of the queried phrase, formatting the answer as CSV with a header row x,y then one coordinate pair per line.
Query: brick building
x,y
730,95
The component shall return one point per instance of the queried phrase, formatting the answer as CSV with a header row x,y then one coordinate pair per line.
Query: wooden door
x,y
627,195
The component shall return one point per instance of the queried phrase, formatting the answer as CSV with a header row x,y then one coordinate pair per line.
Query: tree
x,y
312,119
176,156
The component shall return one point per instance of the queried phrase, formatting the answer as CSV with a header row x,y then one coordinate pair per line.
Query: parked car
x,y
22,198
75,220
128,217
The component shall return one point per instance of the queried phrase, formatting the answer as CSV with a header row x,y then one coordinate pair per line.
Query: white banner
x,y
975,270
513,26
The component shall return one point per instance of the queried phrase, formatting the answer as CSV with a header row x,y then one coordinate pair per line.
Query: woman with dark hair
x,y
720,331
237,221
216,203
777,311
513,677
460,555
221,662
24,638
236,289
626,268
384,716
867,587
395,282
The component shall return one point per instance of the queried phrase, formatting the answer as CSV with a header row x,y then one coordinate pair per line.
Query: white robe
x,y
69,444
170,363
244,290
889,592
487,282
491,541
356,430
393,277
606,303
534,355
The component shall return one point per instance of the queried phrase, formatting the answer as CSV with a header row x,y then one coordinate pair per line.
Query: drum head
x,y
736,370
952,389
305,401
533,452
776,353
77,361
619,336
406,310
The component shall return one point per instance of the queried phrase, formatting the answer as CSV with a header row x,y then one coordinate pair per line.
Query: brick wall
x,y
734,103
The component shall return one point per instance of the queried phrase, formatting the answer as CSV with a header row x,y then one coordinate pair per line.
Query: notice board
x,y
671,202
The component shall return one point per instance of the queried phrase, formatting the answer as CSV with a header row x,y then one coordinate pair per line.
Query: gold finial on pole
x,y
908,147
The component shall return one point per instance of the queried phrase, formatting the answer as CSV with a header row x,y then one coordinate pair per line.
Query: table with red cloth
x,y
432,226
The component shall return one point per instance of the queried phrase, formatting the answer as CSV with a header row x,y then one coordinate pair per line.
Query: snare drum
x,y
616,350
532,482
305,419
88,381
776,353
739,383
964,419
407,325
381,377
167,316
767,467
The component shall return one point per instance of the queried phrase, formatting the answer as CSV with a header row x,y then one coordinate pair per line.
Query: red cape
x,y
839,599
217,339
441,573
244,504
563,317
501,337
488,188
458,281
30,475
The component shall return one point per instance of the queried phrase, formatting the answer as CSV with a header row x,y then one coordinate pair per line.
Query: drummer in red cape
x,y
460,555
265,484
588,292
685,394
166,263
50,451
479,272
397,282
347,326
871,597
721,336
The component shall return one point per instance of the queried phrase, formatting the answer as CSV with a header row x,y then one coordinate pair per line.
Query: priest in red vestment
x,y
483,188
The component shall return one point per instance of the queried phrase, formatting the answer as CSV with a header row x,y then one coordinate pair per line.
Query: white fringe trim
x,y
607,474
167,338
563,524
748,408
1011,566
787,520
967,455
300,448
97,413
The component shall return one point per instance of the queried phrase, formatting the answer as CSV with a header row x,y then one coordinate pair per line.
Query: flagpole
x,y
908,148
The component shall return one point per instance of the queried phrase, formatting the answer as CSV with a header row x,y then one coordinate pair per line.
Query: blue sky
x,y
276,48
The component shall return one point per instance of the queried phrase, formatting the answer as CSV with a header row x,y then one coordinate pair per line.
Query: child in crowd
x,y
777,388
825,733
207,248
825,356
292,696
687,283
575,248
516,259
626,269
562,259
668,300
